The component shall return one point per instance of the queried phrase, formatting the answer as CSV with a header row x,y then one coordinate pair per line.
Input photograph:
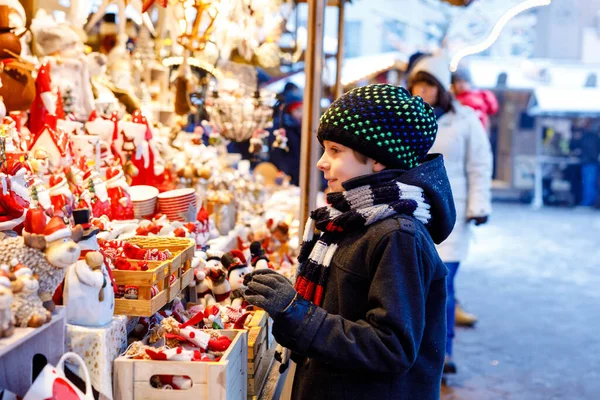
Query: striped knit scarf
x,y
347,212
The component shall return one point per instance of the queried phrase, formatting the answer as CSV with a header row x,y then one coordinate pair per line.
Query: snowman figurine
x,y
237,267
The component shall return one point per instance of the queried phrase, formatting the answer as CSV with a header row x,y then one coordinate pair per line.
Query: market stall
x,y
126,227
555,110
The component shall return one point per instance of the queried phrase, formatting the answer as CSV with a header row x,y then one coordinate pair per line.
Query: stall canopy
x,y
565,102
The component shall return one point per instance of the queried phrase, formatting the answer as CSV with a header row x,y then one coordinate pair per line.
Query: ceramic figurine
x,y
118,191
7,321
27,306
48,249
88,284
48,100
61,196
16,74
14,197
96,194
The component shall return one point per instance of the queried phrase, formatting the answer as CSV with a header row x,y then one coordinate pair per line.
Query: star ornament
x,y
148,3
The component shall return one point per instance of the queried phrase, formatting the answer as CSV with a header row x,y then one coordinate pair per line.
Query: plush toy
x,y
89,284
7,320
235,264
27,306
220,285
259,258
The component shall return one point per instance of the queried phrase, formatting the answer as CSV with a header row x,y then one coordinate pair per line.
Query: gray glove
x,y
270,291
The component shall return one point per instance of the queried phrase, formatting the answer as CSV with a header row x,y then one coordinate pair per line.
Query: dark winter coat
x,y
381,333
288,161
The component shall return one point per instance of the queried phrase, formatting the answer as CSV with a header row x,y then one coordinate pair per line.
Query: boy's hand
x,y
270,291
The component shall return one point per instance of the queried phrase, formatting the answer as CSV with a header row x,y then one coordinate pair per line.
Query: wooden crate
x,y
260,352
180,264
145,305
223,380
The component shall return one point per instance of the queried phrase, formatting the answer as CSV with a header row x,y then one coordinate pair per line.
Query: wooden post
x,y
339,87
309,175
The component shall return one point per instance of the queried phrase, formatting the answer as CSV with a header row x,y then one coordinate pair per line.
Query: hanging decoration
x,y
196,19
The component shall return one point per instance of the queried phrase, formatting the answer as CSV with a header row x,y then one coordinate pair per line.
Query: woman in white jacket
x,y
467,155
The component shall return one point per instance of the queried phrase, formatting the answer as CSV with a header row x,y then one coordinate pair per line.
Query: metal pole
x,y
339,87
309,175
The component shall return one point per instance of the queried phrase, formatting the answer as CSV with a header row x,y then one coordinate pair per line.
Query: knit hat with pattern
x,y
383,122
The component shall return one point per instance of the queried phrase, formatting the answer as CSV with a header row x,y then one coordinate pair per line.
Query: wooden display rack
x,y
261,350
179,265
222,380
17,352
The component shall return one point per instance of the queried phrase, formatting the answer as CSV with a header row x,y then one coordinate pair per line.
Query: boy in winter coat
x,y
366,317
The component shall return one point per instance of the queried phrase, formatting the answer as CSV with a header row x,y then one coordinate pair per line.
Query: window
x,y
352,39
394,34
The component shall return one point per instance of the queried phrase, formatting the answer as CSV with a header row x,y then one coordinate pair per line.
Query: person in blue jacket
x,y
366,317
289,118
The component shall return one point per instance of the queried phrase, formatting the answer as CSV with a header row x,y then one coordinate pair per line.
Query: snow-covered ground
x,y
533,278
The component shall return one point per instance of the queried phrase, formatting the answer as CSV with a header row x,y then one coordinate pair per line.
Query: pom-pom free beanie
x,y
383,122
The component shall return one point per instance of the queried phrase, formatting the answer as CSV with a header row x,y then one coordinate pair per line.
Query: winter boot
x,y
463,318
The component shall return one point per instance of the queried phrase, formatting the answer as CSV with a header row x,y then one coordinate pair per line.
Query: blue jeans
x,y
589,180
450,304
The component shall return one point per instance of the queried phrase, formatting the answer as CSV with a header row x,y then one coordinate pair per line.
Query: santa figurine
x,y
96,194
118,191
89,294
74,177
61,196
14,197
237,267
47,101
203,228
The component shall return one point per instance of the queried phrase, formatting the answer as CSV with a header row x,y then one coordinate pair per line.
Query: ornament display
x,y
7,320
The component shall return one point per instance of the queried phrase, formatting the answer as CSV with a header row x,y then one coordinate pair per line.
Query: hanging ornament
x,y
148,3
196,19
281,140
258,148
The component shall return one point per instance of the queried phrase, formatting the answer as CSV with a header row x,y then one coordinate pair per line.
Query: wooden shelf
x,y
18,352
22,335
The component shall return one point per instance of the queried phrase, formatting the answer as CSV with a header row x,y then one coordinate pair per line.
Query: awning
x,y
565,102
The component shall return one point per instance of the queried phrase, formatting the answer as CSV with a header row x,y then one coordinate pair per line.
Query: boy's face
x,y
339,164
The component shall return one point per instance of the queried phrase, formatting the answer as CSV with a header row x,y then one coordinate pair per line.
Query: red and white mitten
x,y
195,336
219,344
176,354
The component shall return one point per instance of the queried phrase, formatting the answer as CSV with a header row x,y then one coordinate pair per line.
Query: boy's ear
x,y
378,167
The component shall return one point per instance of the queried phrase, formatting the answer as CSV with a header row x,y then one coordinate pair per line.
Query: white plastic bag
x,y
52,383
